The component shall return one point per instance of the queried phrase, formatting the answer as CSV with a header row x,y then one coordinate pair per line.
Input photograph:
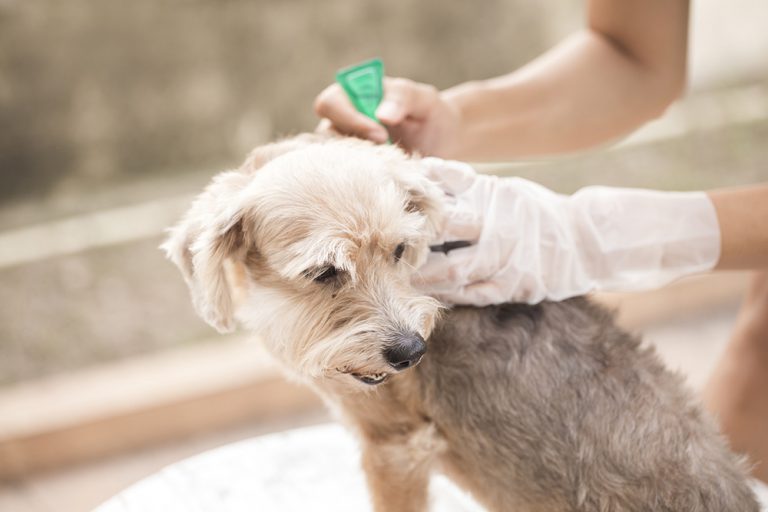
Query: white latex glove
x,y
532,244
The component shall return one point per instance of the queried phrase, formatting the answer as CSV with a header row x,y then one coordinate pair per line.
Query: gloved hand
x,y
532,244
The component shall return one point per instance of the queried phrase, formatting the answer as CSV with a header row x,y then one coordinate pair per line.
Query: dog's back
x,y
553,407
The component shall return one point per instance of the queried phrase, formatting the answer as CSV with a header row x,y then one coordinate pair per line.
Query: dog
x,y
313,243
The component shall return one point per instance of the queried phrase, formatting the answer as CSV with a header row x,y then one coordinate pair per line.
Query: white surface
x,y
282,472
279,472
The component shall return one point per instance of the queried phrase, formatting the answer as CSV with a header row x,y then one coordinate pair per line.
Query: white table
x,y
314,468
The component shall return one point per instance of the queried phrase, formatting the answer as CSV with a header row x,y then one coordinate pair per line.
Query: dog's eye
x,y
399,250
326,274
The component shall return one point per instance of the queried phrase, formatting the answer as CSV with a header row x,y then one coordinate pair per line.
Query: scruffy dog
x,y
312,244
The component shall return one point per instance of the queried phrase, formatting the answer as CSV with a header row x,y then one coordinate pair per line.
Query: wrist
x,y
469,104
635,239
496,116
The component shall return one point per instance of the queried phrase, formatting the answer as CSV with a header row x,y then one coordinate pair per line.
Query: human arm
x,y
624,68
742,214
531,244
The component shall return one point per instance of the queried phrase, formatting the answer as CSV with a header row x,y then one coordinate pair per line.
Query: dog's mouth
x,y
371,379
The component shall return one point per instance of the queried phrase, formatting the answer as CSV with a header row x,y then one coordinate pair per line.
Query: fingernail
x,y
379,136
388,110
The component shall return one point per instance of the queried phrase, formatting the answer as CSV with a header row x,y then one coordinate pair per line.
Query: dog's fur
x,y
531,408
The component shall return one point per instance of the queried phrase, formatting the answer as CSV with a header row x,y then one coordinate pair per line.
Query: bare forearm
x,y
582,94
590,89
743,217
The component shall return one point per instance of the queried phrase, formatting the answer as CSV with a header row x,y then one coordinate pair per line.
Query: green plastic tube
x,y
364,85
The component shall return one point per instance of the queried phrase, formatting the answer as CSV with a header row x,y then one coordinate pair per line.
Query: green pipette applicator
x,y
364,85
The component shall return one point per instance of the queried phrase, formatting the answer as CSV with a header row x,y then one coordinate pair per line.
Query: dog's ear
x,y
422,194
215,231
224,240
212,231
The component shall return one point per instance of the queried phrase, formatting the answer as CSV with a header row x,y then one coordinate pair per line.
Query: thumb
x,y
405,98
390,111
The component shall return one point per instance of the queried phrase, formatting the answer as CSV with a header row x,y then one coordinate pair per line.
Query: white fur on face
x,y
338,206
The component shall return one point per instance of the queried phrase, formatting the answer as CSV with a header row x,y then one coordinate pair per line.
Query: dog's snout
x,y
406,351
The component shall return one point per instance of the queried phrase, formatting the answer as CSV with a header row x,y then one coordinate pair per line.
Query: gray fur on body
x,y
565,411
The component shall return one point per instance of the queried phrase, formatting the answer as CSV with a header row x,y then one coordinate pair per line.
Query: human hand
x,y
531,244
414,115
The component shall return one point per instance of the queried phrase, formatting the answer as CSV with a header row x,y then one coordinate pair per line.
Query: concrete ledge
x,y
123,406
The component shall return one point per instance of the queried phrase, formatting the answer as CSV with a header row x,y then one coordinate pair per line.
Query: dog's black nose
x,y
406,351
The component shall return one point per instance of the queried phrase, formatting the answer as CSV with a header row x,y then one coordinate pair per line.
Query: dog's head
x,y
318,240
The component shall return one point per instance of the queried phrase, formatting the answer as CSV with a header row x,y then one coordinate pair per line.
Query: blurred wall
x,y
95,91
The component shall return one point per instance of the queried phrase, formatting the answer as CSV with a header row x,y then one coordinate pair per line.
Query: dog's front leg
x,y
398,469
